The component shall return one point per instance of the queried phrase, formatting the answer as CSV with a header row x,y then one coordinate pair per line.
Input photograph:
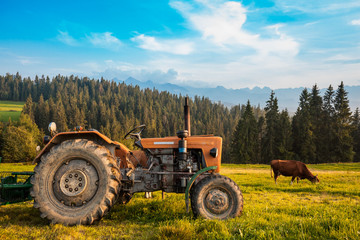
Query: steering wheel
x,y
135,134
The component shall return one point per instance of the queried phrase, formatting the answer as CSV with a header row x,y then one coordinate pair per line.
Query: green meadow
x,y
10,109
328,210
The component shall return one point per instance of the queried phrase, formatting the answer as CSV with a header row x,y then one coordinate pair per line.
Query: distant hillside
x,y
288,97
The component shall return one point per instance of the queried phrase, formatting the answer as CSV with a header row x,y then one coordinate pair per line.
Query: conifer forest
x,y
322,130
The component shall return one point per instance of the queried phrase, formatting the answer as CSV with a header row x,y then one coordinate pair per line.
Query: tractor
x,y
80,175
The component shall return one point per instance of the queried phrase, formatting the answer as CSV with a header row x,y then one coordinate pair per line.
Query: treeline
x,y
323,129
115,108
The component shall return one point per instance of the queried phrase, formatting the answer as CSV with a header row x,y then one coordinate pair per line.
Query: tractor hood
x,y
204,142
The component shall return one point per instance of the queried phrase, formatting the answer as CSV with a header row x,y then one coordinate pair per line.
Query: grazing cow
x,y
292,168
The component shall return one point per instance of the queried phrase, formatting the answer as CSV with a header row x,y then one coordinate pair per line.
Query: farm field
x,y
10,109
328,210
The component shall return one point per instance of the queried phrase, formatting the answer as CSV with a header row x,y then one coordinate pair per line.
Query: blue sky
x,y
235,44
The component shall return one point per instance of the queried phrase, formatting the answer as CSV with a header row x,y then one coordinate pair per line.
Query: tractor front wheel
x,y
77,182
216,197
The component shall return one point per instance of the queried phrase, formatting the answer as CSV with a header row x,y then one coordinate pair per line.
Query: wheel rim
x,y
217,201
75,182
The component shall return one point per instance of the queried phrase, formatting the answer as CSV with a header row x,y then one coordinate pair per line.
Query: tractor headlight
x,y
52,127
214,152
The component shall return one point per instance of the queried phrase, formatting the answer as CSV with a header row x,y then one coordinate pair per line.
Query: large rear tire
x,y
77,182
216,197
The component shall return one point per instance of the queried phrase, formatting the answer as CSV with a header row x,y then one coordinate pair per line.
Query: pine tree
x,y
60,115
315,108
343,148
327,128
303,146
261,133
52,109
42,113
284,136
245,139
356,134
270,144
28,108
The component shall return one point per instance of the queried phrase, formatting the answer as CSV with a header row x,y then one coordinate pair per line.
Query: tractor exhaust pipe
x,y
187,115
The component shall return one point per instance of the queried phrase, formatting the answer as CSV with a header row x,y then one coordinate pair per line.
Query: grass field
x,y
328,210
10,109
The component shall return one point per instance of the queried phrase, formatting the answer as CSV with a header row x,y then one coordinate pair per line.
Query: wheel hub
x,y
73,182
217,201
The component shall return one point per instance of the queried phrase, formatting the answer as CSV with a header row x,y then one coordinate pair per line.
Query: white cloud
x,y
341,5
101,40
94,66
319,6
27,60
64,37
105,40
223,24
355,22
180,47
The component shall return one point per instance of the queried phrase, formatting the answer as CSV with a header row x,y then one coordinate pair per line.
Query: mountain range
x,y
288,98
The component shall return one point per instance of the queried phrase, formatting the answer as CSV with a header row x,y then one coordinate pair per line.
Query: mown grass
x,y
10,109
328,210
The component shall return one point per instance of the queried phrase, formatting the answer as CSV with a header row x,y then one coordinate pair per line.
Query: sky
x,y
235,44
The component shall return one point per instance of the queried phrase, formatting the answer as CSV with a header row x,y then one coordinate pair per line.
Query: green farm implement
x,y
15,187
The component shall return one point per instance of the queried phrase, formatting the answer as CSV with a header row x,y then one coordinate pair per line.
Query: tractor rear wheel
x,y
77,182
216,197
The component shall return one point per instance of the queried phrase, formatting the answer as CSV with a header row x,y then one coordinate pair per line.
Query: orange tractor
x,y
80,175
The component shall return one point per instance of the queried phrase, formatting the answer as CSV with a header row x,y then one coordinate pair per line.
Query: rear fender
x,y
90,135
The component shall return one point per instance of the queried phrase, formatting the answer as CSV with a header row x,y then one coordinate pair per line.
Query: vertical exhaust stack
x,y
187,115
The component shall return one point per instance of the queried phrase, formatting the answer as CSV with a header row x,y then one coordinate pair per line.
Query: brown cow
x,y
292,168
